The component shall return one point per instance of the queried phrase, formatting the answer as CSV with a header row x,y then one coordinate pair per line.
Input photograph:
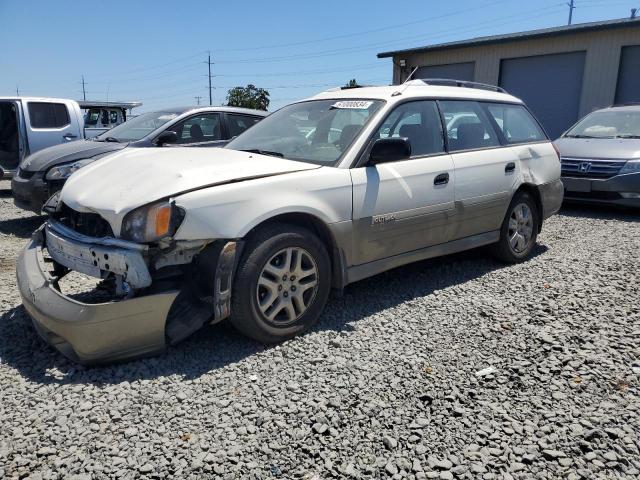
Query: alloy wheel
x,y
520,228
287,286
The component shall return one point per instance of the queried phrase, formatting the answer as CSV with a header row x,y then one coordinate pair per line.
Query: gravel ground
x,y
453,368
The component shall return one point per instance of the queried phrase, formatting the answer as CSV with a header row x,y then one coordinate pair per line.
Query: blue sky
x,y
154,51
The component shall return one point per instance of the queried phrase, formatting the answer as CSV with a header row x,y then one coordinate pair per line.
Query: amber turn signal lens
x,y
163,220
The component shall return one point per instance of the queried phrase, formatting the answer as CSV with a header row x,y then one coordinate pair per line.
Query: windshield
x,y
317,131
137,127
608,124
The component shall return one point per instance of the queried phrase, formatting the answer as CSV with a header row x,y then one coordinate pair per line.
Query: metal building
x,y
562,73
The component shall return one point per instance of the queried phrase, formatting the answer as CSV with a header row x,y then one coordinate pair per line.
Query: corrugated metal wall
x,y
601,63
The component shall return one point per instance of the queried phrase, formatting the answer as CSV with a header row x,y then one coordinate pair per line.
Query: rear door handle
x,y
511,166
69,136
441,179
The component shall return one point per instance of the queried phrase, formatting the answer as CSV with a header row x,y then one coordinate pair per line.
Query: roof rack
x,y
449,82
625,104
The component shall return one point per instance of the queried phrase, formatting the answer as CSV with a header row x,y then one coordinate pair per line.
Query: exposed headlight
x,y
152,222
61,172
632,166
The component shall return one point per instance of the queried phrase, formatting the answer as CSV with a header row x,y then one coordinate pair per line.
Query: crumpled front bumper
x,y
90,333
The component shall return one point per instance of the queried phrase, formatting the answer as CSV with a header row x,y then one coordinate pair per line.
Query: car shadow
x,y
21,227
220,345
598,211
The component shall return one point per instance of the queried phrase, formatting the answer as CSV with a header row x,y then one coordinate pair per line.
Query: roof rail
x,y
625,104
449,82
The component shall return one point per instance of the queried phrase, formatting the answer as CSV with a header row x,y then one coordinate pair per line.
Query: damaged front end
x,y
158,293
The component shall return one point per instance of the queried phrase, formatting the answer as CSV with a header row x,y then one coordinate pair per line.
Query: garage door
x,y
628,89
549,84
455,71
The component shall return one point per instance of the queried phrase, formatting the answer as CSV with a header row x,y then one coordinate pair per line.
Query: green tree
x,y
248,97
352,83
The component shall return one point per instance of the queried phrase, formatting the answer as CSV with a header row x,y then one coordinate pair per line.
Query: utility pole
x,y
571,9
198,97
209,64
17,91
84,93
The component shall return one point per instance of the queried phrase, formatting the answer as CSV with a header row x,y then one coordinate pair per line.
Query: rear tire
x,y
282,283
519,230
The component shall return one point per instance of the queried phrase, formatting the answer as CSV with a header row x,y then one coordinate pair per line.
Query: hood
x,y
605,148
67,152
138,176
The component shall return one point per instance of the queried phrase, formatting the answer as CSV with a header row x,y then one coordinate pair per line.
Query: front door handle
x,y
69,136
511,166
441,179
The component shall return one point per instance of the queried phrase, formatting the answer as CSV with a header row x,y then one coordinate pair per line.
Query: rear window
x,y
516,123
48,115
239,123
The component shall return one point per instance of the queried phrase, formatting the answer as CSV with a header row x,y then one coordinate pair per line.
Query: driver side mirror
x,y
389,150
168,136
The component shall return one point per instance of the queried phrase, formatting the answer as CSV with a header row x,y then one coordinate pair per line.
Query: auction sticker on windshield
x,y
357,104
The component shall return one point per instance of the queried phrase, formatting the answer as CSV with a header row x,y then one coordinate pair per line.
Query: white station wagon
x,y
320,194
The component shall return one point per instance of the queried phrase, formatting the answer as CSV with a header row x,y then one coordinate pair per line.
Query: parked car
x,y
262,229
30,124
601,157
44,173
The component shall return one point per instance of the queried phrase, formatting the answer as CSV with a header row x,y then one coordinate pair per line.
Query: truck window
x,y
48,115
91,118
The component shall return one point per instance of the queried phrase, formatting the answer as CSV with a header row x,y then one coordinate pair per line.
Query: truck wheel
x,y
281,285
519,230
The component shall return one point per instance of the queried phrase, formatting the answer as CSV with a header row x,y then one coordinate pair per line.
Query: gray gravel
x,y
453,368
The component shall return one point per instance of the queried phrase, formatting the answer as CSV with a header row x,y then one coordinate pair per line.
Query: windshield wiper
x,y
111,139
264,152
628,136
583,136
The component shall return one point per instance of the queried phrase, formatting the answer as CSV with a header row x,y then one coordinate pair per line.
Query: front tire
x,y
519,230
282,283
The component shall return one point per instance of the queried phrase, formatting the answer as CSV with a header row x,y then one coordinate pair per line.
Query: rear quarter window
x,y
516,123
48,115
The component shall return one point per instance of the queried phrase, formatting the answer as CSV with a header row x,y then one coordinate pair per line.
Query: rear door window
x,y
48,115
198,129
516,123
468,127
239,123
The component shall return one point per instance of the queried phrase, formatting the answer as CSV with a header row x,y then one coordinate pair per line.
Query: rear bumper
x,y
551,195
621,190
89,333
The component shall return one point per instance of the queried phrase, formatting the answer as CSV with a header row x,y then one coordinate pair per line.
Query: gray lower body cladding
x,y
551,196
167,312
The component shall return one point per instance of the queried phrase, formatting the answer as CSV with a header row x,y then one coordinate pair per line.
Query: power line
x,y
365,32
544,12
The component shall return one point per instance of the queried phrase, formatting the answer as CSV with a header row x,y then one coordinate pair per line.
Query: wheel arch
x,y
321,229
534,191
